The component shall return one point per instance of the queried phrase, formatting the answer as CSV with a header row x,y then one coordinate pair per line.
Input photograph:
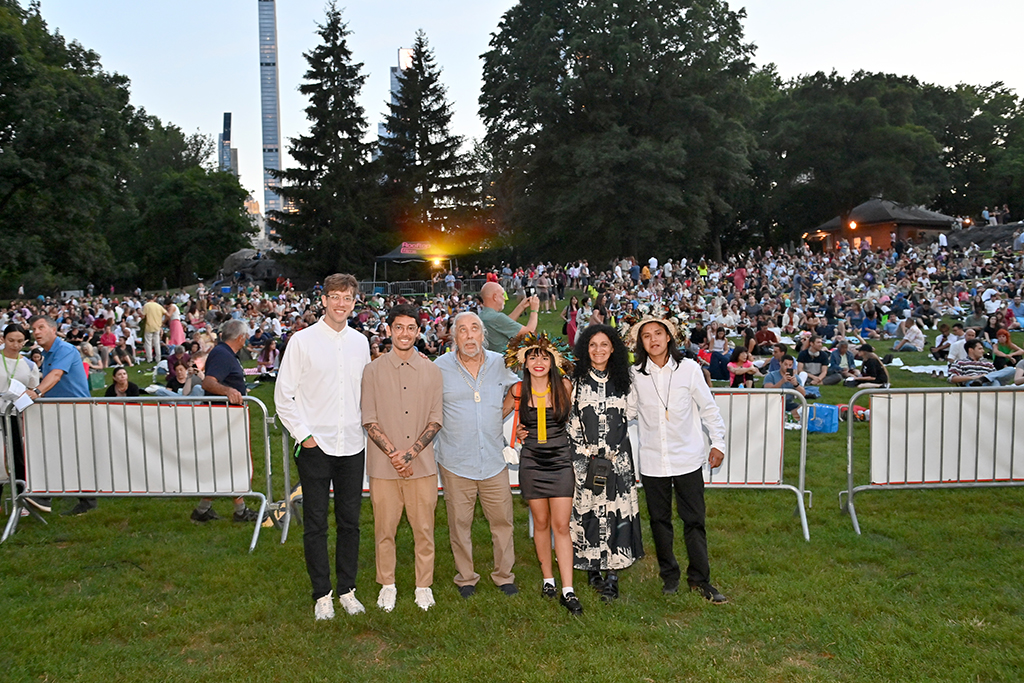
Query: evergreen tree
x,y
332,223
427,180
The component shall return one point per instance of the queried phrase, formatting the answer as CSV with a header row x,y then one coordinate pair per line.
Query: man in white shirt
x,y
672,402
318,394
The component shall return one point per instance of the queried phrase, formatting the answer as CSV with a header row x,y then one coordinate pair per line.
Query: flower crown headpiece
x,y
632,324
515,354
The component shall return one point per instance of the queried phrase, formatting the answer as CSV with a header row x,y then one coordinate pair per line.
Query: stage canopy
x,y
408,252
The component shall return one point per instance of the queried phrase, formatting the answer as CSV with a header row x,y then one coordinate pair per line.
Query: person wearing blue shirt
x,y
1017,308
469,452
63,377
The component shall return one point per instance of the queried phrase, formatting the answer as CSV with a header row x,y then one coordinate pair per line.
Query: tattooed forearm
x,y
426,437
378,436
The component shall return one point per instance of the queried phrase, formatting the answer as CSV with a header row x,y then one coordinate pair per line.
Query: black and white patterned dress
x,y
605,527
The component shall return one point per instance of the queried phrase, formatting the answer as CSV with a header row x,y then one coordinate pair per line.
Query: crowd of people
x,y
798,320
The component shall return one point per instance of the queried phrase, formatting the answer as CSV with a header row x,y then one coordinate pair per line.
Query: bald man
x,y
500,327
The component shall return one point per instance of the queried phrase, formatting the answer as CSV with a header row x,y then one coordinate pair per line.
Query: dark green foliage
x,y
334,222
80,165
426,180
616,124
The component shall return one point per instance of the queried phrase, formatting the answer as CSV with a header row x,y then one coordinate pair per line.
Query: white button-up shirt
x,y
318,387
671,404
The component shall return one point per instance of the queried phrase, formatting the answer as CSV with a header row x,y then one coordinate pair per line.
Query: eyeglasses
x,y
336,298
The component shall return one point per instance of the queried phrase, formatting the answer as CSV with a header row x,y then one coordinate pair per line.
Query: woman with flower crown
x,y
543,401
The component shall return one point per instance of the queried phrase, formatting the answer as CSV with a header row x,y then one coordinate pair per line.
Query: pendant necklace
x,y
476,390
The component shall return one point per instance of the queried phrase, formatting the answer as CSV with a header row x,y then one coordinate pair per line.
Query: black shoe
x,y
245,515
670,587
610,592
509,589
595,580
81,507
709,592
571,603
467,591
548,590
207,515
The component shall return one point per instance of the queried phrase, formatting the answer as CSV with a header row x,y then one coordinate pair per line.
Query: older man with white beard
x,y
469,452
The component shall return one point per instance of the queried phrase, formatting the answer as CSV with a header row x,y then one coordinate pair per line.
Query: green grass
x,y
933,591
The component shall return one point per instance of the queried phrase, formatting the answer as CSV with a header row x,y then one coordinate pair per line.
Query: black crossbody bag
x,y
600,471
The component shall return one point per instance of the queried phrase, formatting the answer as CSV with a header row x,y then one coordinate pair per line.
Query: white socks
x,y
549,582
566,590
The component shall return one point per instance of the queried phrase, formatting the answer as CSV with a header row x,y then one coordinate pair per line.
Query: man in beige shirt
x,y
402,409
153,315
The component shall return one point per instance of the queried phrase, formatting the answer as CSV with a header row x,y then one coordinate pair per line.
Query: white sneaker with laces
x,y
324,607
386,598
424,598
350,603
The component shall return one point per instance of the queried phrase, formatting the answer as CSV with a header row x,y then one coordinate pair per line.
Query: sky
x,y
190,61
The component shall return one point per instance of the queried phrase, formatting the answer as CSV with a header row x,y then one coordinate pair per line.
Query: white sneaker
x,y
324,607
350,603
386,598
424,598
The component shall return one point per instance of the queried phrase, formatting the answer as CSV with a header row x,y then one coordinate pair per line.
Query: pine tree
x,y
427,180
333,223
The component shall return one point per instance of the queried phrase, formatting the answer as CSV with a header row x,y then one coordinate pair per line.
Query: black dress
x,y
545,469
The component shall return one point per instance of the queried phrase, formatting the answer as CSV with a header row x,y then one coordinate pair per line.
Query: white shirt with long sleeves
x,y
671,440
318,387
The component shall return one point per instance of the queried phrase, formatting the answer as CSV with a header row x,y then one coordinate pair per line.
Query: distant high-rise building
x,y
404,62
227,156
270,102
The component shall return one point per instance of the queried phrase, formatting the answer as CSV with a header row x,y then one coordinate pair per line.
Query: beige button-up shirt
x,y
403,397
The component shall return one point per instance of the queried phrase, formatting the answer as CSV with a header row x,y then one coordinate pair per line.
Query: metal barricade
x,y
755,421
938,438
154,447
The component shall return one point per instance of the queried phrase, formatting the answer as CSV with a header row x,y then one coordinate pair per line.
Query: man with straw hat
x,y
672,403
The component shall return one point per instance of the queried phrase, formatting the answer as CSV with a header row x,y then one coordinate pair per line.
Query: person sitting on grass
x,y
945,340
872,372
814,361
121,387
976,370
785,378
841,365
913,340
1004,351
741,369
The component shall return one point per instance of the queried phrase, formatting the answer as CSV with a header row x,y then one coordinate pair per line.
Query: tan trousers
x,y
460,496
418,497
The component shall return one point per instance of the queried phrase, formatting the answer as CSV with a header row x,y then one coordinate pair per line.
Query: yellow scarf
x,y
542,414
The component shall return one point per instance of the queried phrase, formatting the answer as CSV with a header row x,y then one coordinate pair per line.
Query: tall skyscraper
x,y
270,102
404,62
227,156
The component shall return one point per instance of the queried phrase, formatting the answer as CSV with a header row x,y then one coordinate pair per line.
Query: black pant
x,y
689,489
13,426
317,471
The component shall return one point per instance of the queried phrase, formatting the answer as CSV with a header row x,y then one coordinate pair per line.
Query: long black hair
x,y
618,363
641,353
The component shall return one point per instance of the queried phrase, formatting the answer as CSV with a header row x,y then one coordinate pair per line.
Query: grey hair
x,y
233,329
455,324
50,322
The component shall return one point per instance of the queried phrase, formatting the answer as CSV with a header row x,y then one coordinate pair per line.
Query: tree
x,y
837,142
335,220
617,124
428,183
66,131
193,219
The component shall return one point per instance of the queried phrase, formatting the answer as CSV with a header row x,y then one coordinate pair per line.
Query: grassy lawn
x,y
933,591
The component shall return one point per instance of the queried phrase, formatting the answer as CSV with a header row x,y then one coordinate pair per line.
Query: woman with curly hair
x,y
605,525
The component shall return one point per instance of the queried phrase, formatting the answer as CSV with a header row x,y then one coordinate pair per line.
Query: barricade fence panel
x,y
938,438
956,436
137,448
